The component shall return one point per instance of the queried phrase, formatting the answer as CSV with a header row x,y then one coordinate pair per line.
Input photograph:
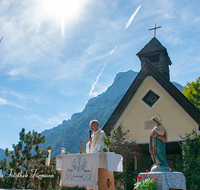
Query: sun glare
x,y
64,10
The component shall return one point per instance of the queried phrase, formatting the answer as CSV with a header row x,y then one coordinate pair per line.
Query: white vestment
x,y
96,142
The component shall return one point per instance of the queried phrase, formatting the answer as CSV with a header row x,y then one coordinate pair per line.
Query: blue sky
x,y
57,54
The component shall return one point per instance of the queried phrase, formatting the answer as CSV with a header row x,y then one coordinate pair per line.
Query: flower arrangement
x,y
108,142
146,184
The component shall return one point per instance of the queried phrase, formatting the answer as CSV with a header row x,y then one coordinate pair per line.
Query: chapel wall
x,y
174,118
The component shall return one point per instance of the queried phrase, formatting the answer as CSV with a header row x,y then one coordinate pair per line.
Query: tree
x,y
26,161
192,92
189,165
128,150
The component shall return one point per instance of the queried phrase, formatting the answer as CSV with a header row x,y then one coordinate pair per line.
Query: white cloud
x,y
17,99
39,49
33,37
55,120
46,122
3,101
20,96
9,103
16,105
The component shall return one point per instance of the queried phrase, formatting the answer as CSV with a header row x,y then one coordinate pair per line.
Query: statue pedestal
x,y
166,180
159,168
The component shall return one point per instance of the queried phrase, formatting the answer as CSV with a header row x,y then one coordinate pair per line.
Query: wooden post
x,y
105,179
81,146
135,162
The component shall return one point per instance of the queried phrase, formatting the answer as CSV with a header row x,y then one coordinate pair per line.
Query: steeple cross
x,y
155,29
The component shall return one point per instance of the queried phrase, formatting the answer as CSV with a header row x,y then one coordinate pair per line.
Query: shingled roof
x,y
152,46
150,70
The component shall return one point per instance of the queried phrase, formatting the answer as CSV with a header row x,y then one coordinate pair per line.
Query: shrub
x,y
189,165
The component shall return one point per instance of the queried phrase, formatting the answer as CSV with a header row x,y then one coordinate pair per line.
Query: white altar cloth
x,y
166,180
82,169
115,162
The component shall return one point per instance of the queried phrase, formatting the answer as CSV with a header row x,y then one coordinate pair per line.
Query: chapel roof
x,y
152,46
149,70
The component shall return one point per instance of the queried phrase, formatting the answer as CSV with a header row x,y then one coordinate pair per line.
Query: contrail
x,y
127,25
113,50
132,17
97,79
91,93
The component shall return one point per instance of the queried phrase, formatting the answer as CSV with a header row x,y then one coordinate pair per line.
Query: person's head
x,y
156,121
94,125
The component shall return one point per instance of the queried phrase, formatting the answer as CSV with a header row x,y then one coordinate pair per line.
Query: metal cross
x,y
155,29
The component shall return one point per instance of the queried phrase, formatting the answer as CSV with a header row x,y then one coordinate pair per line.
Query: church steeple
x,y
157,54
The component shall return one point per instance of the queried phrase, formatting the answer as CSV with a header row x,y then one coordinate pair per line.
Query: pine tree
x,y
26,160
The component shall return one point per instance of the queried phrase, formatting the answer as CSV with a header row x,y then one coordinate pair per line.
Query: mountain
x,y
2,154
178,86
71,132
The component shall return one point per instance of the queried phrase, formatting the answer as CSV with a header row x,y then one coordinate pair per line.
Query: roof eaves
x,y
149,69
175,93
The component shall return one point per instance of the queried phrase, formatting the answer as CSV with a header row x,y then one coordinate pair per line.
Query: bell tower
x,y
157,54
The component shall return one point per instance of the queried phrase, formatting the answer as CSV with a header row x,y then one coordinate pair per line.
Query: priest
x,y
95,143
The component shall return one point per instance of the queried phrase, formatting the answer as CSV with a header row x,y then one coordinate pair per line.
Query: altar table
x,y
166,180
82,170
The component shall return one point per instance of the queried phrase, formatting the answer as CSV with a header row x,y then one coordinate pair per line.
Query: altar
x,y
93,170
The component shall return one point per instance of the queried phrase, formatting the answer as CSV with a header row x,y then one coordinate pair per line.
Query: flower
x,y
148,184
108,141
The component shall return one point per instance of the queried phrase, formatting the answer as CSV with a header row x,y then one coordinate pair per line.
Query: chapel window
x,y
150,98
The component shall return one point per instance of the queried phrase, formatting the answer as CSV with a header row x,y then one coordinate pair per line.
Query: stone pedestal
x,y
166,180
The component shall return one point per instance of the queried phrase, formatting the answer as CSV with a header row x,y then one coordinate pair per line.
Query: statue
x,y
157,147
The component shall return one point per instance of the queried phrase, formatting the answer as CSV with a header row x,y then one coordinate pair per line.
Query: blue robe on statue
x,y
157,145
